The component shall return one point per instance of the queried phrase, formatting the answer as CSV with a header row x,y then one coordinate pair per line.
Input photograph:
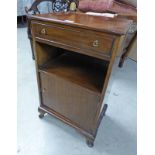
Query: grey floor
x,y
48,136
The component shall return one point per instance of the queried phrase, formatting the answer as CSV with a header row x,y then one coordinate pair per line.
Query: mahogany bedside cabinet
x,y
74,56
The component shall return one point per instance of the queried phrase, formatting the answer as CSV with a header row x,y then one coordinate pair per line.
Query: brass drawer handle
x,y
43,31
96,43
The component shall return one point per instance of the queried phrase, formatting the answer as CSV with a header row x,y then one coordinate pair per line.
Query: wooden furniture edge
x,y
127,51
43,109
33,17
101,107
90,137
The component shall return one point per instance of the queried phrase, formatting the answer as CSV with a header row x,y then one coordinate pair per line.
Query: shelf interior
x,y
85,71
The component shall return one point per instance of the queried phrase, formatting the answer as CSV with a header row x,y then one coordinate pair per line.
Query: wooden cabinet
x,y
74,58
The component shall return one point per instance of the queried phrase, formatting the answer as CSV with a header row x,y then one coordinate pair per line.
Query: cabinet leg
x,y
123,57
90,142
127,50
105,109
31,42
121,62
41,113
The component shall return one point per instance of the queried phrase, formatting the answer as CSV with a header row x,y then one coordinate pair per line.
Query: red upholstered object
x,y
129,2
122,8
95,5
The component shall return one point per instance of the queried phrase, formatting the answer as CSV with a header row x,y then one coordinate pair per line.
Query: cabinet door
x,y
70,100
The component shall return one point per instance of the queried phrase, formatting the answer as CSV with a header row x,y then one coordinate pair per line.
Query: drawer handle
x,y
96,43
43,31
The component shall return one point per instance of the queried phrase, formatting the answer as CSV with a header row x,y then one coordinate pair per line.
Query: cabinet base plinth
x,y
89,137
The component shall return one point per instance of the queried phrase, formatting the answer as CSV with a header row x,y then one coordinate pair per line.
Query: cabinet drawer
x,y
86,41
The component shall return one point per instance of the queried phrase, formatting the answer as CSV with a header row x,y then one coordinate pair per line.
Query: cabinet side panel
x,y
116,47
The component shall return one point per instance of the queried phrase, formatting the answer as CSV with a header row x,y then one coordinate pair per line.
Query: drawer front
x,y
92,42
70,100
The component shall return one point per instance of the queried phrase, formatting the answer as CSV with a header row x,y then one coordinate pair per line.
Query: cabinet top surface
x,y
112,25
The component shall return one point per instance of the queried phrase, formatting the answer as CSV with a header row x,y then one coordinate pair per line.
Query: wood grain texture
x,y
72,84
105,24
78,69
85,40
123,8
70,100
